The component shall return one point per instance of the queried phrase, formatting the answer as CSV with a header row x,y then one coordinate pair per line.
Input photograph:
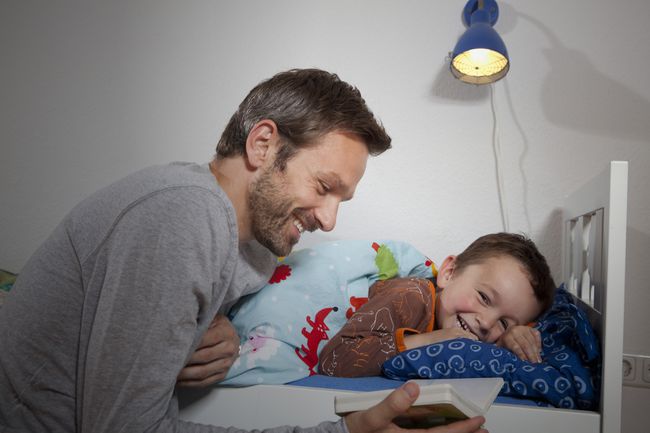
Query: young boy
x,y
489,292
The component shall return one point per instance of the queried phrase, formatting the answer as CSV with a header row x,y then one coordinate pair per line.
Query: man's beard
x,y
270,209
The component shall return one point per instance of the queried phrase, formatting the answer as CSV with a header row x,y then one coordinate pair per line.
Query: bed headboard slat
x,y
595,230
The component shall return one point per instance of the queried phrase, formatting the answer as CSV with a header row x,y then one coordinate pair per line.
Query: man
x,y
108,311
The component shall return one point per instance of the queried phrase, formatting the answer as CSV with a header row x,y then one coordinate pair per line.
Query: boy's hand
x,y
378,419
215,355
417,340
524,341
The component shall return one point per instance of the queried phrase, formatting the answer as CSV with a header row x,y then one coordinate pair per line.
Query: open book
x,y
440,401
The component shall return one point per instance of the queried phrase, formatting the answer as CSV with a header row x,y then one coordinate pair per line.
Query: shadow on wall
x,y
637,295
446,86
549,242
573,94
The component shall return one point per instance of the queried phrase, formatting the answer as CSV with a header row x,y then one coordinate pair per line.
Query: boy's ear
x,y
262,143
446,271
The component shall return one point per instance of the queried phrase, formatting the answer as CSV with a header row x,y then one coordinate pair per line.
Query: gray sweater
x,y
108,311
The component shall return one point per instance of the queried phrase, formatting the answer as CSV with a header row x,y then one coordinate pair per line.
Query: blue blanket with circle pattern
x,y
568,376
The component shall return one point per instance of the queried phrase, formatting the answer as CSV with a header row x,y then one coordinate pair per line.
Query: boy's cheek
x,y
466,305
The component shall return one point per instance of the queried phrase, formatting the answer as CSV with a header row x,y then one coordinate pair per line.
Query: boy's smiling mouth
x,y
461,323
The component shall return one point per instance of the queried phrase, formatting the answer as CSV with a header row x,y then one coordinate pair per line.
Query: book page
x,y
477,392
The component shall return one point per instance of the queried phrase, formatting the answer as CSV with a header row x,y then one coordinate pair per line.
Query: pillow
x,y
567,377
308,299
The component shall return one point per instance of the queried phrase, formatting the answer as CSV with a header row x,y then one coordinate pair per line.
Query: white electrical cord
x,y
498,165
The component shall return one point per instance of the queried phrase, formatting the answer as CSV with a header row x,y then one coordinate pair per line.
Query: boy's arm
x,y
417,340
372,334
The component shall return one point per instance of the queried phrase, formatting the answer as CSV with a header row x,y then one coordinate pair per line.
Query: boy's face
x,y
485,298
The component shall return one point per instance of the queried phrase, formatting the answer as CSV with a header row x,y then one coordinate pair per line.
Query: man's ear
x,y
262,143
446,271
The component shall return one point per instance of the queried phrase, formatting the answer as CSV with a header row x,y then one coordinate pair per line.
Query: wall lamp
x,y
480,56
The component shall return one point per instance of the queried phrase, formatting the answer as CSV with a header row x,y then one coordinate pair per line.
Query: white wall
x,y
92,90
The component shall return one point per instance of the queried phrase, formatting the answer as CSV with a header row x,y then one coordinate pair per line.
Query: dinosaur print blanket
x,y
313,291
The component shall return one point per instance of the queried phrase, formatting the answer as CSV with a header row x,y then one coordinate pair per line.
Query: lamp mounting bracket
x,y
473,5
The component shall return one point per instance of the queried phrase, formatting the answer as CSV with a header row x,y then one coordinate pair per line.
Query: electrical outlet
x,y
636,370
629,369
646,370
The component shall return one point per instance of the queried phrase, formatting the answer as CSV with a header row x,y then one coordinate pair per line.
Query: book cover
x,y
440,401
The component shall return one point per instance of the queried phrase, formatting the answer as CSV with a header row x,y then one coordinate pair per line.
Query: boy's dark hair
x,y
305,104
520,248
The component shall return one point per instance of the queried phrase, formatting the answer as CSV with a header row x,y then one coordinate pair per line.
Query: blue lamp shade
x,y
480,56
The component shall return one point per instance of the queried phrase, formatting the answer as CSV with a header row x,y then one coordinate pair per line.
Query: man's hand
x,y
217,351
524,341
379,418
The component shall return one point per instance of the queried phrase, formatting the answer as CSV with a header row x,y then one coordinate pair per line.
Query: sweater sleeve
x,y
158,282
373,334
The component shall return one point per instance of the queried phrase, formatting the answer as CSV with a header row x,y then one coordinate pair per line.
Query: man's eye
x,y
324,187
484,298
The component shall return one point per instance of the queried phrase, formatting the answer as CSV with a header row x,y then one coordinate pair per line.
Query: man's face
x,y
307,194
486,298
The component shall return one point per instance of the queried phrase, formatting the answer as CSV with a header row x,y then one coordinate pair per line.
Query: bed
x,y
593,257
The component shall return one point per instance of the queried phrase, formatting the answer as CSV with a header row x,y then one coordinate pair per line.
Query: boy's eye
x,y
504,323
484,298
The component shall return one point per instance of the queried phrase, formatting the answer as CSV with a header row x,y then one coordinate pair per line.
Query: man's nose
x,y
326,214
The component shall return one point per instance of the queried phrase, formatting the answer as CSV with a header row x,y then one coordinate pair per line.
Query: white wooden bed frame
x,y
593,269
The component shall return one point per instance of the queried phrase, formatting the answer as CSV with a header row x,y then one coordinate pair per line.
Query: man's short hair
x,y
305,104
520,248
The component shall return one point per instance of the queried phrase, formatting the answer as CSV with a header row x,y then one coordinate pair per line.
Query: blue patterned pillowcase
x,y
568,376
